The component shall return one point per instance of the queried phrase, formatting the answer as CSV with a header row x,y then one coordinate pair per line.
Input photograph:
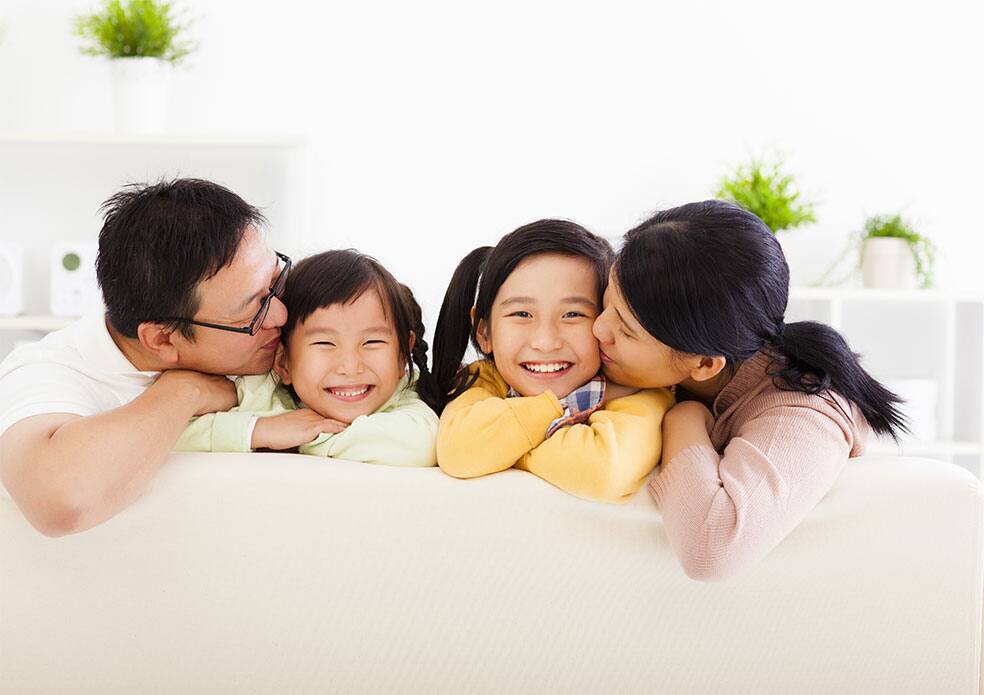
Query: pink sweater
x,y
775,455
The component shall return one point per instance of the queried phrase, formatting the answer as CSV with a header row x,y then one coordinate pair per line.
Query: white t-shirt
x,y
76,370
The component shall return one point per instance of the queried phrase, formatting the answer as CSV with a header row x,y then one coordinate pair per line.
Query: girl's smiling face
x,y
539,327
344,360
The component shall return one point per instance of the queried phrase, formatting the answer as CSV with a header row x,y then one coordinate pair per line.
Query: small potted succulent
x,y
762,187
894,255
143,39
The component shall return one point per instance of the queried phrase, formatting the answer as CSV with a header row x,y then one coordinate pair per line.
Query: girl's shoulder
x,y
487,377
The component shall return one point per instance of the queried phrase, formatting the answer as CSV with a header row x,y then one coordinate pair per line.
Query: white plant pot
x,y
140,88
888,264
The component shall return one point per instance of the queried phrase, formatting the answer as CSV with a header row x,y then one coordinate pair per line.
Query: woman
x,y
768,413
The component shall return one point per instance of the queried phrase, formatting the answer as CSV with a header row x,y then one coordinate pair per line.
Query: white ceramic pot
x,y
888,264
140,87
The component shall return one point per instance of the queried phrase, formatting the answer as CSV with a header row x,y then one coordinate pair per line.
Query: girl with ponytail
x,y
536,401
350,375
769,412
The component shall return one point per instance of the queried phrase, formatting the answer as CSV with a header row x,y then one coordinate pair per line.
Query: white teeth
x,y
348,394
548,367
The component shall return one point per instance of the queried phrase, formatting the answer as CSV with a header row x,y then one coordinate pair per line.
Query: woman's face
x,y
630,355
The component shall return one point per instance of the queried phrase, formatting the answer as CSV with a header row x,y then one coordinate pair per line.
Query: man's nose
x,y
276,315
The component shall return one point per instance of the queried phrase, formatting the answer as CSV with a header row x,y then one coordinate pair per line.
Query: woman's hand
x,y
292,429
685,425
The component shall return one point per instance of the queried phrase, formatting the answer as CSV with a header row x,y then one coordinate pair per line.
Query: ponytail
x,y
815,359
426,387
454,327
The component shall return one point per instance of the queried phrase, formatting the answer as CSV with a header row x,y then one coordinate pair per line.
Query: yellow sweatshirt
x,y
481,432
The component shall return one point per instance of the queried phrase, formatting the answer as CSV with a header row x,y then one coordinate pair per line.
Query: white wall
x,y
437,126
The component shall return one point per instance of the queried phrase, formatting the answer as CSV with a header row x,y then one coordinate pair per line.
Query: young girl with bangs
x,y
350,377
536,401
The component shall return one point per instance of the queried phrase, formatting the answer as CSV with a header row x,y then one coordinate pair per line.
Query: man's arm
x,y
68,473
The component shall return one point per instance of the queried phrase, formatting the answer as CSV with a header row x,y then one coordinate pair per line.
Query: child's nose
x,y
350,363
546,338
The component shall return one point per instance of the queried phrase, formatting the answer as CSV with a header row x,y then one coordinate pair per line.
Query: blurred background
x,y
417,131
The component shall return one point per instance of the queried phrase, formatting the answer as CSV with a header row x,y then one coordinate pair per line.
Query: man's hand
x,y
209,392
292,429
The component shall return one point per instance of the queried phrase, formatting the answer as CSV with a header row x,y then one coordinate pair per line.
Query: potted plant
x,y
894,255
765,189
142,39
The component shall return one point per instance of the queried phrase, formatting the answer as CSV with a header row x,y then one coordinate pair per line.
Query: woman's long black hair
x,y
710,278
485,270
339,277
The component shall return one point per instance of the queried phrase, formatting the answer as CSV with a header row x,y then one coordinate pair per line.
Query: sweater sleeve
x,y
608,458
232,430
722,513
481,433
403,436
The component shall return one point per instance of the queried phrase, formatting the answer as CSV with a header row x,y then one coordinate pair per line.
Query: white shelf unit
x,y
902,336
52,184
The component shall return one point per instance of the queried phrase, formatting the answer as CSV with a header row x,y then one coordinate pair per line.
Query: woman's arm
x,y
724,512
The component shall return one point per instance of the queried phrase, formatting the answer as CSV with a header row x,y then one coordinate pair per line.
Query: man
x,y
88,415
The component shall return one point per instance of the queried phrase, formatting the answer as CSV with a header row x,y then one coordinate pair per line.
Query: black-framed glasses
x,y
276,290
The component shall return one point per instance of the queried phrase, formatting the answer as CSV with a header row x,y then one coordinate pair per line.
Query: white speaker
x,y
74,289
11,278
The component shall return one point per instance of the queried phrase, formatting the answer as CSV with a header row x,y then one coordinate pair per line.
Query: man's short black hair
x,y
158,241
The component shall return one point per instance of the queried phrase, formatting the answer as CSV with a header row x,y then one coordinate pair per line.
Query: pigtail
x,y
454,327
425,384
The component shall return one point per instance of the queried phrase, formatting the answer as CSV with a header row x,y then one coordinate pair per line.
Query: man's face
x,y
232,297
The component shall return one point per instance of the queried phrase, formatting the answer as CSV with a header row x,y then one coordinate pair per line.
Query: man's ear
x,y
160,341
483,334
707,367
280,367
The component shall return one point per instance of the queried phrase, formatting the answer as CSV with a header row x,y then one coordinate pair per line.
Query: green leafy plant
x,y
923,250
763,188
133,29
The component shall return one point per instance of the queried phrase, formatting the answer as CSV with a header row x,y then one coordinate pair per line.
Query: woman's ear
x,y
413,341
280,367
161,341
705,367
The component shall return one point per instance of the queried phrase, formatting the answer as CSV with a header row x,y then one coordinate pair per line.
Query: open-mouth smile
x,y
547,370
352,393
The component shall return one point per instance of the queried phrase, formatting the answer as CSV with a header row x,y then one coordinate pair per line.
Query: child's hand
x,y
292,429
613,391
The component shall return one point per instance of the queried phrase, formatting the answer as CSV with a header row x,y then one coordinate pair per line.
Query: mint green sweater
x,y
402,432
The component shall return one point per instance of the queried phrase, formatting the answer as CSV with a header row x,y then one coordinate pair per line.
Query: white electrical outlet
x,y
74,289
11,278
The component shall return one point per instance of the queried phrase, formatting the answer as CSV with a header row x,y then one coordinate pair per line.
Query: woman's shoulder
x,y
801,407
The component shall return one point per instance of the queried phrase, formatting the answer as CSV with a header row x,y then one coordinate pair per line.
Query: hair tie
x,y
780,329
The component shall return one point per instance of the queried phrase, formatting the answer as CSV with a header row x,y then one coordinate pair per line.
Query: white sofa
x,y
274,573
